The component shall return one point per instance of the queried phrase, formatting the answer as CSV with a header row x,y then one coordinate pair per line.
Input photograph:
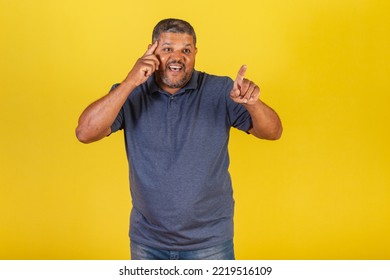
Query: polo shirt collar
x,y
192,83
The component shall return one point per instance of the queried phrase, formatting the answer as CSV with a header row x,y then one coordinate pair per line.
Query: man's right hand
x,y
96,120
144,67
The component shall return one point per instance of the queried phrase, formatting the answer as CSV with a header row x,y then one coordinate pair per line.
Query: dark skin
x,y
172,58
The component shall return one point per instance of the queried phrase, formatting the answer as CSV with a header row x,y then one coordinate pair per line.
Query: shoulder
x,y
143,88
212,78
214,83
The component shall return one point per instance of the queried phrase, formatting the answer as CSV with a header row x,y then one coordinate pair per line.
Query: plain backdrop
x,y
321,192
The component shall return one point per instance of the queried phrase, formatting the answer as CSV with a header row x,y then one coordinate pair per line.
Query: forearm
x,y
266,122
96,120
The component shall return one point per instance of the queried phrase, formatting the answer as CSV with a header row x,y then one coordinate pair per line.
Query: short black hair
x,y
173,25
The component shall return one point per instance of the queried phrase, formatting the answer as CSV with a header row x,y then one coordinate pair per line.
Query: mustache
x,y
175,62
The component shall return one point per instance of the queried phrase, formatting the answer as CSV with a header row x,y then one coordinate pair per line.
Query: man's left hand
x,y
244,91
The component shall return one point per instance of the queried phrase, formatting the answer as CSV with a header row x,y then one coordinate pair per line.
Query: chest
x,y
177,120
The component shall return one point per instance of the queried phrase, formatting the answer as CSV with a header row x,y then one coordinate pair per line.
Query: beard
x,y
175,82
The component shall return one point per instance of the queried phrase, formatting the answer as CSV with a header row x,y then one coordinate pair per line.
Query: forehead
x,y
170,38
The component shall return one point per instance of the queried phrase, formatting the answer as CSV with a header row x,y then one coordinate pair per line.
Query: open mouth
x,y
175,68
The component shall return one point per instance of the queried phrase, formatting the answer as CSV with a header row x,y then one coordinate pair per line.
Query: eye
x,y
167,49
187,51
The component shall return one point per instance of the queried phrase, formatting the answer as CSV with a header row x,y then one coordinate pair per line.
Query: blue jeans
x,y
224,251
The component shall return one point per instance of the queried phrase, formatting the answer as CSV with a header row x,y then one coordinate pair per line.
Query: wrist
x,y
252,105
128,82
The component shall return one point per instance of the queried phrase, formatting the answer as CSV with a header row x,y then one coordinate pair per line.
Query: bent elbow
x,y
86,134
82,136
277,134
272,135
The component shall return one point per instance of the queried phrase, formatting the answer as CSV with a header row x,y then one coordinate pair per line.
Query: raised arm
x,y
96,120
266,122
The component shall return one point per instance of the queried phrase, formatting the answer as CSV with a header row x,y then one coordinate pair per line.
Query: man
x,y
176,122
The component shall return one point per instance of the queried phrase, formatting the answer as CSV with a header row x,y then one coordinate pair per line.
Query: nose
x,y
177,55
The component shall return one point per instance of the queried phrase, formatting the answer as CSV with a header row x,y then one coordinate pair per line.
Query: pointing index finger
x,y
240,76
152,48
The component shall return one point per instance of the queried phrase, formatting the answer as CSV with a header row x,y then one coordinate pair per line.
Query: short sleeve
x,y
118,123
238,116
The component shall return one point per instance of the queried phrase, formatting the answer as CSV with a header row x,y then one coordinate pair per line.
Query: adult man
x,y
176,122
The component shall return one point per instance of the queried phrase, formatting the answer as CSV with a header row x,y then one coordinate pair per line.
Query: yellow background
x,y
321,192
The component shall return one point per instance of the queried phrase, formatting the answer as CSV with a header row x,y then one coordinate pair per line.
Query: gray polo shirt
x,y
177,148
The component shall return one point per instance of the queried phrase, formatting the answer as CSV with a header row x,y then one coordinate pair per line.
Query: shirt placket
x,y
173,114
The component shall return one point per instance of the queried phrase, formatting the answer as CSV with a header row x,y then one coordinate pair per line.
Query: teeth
x,y
175,68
